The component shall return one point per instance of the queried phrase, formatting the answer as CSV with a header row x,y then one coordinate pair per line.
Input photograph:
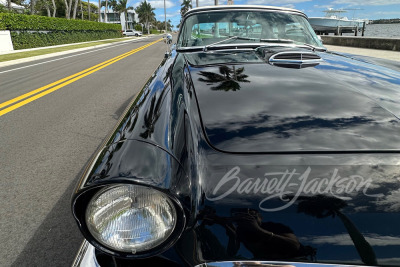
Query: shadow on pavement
x,y
57,240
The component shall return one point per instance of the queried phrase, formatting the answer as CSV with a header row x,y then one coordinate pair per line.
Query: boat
x,y
334,22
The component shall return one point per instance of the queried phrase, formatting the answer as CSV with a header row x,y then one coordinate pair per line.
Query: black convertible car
x,y
251,145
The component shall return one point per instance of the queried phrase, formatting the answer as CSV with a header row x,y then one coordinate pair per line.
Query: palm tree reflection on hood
x,y
152,115
321,206
228,79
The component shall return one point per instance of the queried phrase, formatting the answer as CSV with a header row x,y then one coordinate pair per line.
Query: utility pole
x,y
99,11
165,17
216,2
197,3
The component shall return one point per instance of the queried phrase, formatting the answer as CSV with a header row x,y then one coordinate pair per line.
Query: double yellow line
x,y
24,99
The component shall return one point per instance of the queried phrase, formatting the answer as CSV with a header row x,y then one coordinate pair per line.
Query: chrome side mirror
x,y
168,39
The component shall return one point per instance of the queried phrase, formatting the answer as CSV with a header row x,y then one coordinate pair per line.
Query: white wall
x,y
5,41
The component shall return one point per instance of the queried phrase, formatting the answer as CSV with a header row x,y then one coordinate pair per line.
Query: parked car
x,y
254,149
132,33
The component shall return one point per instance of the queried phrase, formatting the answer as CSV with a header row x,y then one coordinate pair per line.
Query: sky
x,y
362,9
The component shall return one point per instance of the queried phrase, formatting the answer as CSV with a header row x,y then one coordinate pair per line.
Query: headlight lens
x,y
130,218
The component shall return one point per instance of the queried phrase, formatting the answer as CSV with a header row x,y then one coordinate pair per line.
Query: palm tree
x,y
106,5
113,4
185,6
122,7
146,14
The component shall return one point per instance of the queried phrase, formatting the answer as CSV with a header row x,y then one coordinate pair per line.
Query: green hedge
x,y
28,31
14,22
23,40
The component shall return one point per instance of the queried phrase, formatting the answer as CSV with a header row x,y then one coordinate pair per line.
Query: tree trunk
x,y
80,1
67,12
75,9
106,11
33,6
48,9
54,8
69,9
9,5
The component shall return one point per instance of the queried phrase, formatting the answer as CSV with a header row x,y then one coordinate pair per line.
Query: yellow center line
x,y
47,89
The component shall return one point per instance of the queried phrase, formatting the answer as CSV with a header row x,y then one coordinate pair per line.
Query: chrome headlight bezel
x,y
80,205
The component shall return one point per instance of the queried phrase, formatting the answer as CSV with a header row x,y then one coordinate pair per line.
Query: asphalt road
x,y
45,144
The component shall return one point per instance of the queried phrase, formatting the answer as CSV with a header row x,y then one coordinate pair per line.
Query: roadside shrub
x,y
23,39
28,31
41,23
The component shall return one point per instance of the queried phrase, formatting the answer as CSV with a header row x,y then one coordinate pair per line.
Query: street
x,y
47,137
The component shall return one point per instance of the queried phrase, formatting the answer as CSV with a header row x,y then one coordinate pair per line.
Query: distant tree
x,y
47,7
146,14
185,7
40,5
89,12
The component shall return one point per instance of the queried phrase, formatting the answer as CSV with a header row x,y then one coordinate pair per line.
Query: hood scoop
x,y
291,58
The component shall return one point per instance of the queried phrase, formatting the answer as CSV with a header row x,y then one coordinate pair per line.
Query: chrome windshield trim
x,y
86,256
269,264
243,46
243,8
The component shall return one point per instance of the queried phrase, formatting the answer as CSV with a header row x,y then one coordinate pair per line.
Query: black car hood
x,y
339,105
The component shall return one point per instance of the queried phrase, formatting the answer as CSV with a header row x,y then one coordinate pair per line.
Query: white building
x,y
14,6
115,18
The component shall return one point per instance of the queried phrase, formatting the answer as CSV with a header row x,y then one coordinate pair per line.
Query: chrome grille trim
x,y
291,57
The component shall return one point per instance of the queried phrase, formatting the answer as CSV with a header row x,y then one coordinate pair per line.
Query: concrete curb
x,y
381,43
377,53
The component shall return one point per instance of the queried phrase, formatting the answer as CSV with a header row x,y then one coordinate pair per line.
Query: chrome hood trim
x,y
86,256
267,264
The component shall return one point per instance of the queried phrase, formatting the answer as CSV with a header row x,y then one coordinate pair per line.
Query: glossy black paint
x,y
214,129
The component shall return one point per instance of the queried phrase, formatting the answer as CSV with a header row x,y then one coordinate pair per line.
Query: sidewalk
x,y
384,54
49,55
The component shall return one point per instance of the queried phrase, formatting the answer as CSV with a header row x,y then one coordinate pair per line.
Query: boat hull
x,y
335,25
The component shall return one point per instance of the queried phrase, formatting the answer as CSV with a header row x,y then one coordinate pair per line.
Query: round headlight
x,y
130,218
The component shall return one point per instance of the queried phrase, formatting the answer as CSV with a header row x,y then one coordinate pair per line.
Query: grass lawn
x,y
39,52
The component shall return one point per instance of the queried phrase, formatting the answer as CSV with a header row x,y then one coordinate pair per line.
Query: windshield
x,y
213,28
